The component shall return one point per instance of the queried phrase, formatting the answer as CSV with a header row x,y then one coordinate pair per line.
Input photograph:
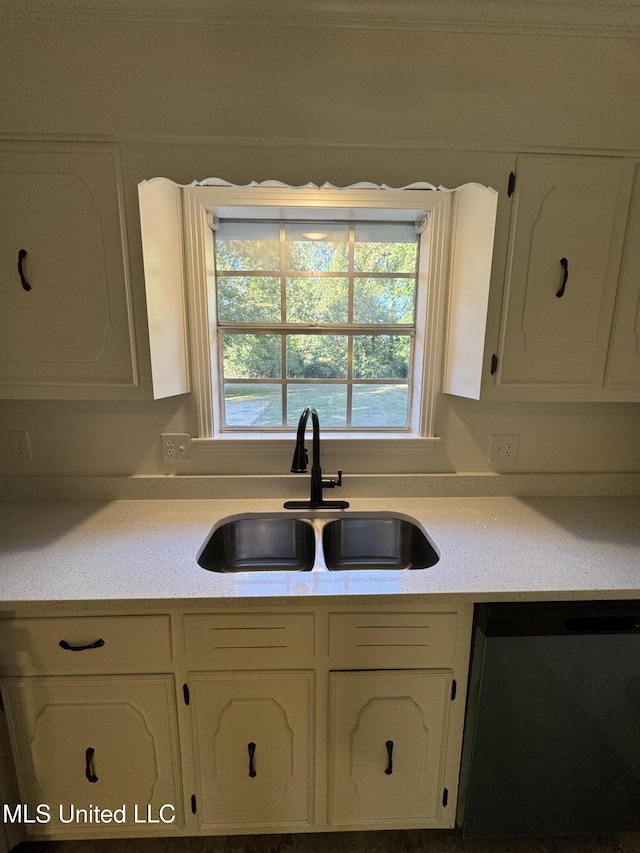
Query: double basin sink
x,y
304,543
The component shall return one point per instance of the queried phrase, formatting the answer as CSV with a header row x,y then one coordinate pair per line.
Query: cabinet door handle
x,y
88,772
252,752
389,745
22,254
565,277
69,648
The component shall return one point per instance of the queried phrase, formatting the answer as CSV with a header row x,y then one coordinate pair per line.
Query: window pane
x,y
383,300
317,356
317,300
252,405
244,299
380,405
251,357
385,247
317,246
329,400
381,356
248,246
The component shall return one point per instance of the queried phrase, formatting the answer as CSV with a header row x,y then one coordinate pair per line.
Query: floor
x,y
407,841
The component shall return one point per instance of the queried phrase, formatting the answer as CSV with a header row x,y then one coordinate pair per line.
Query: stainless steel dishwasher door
x,y
552,734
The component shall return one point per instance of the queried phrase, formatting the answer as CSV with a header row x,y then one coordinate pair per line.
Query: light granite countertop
x,y
110,555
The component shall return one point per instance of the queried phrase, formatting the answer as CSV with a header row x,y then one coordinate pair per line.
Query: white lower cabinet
x,y
290,719
84,744
387,736
254,737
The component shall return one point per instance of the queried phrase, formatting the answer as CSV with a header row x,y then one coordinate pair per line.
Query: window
x,y
319,312
366,302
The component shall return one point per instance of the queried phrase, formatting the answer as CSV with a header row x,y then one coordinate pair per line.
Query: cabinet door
x,y
387,739
65,325
108,742
253,740
10,833
623,366
565,243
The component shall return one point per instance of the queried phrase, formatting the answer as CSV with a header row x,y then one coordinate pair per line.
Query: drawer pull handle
x,y
68,647
89,770
22,254
565,277
389,745
252,752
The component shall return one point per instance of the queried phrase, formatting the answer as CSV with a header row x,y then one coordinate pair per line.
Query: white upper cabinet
x,y
566,235
66,326
622,379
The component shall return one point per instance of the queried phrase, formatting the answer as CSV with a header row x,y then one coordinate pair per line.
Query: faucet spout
x,y
301,460
300,455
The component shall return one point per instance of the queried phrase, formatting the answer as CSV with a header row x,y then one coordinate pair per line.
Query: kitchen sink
x,y
260,544
376,542
302,543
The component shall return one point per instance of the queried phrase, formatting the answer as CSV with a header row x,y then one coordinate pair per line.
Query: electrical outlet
x,y
20,445
176,447
504,449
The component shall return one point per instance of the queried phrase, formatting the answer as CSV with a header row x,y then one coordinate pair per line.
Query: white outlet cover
x,y
504,450
176,447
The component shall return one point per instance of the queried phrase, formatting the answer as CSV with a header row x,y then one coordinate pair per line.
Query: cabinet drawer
x,y
115,644
249,640
392,640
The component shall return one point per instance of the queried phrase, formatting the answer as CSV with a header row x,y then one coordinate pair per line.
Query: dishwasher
x,y
552,731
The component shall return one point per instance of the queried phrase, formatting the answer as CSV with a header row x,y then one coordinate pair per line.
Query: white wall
x,y
191,100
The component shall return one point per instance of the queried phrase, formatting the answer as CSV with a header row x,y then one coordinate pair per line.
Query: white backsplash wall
x,y
195,99
123,438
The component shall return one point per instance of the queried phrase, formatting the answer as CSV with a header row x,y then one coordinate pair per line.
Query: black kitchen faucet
x,y
301,460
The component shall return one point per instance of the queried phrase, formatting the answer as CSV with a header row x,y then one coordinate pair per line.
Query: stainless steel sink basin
x,y
301,543
376,542
260,544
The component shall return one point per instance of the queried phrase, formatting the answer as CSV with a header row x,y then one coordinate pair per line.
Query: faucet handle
x,y
331,483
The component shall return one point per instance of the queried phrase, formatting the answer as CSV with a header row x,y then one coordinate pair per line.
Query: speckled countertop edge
x,y
182,486
57,556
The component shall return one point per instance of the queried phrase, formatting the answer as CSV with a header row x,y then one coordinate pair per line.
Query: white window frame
x,y
177,254
202,205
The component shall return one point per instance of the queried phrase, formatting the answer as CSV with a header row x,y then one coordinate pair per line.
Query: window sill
x,y
355,444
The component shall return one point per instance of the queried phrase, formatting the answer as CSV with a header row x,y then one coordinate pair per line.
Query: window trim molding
x,y
198,257
218,198
175,241
358,444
